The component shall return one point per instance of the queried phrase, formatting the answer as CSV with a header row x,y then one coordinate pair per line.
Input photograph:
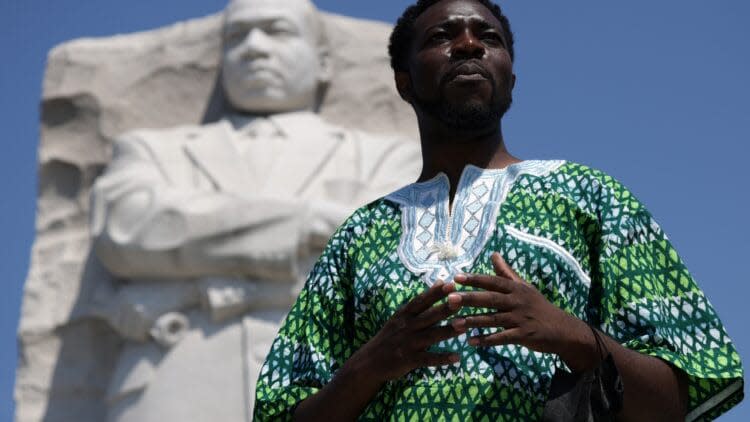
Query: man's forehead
x,y
455,10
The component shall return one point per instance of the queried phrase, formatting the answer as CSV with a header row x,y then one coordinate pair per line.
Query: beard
x,y
469,115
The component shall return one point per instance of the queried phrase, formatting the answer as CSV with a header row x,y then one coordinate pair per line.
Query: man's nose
x,y
467,46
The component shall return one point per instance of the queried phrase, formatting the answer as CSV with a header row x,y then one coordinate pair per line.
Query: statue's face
x,y
271,60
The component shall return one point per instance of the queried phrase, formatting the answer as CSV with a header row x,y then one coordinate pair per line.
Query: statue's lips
x,y
262,73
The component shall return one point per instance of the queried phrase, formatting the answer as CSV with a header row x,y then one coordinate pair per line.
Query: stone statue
x,y
214,226
205,232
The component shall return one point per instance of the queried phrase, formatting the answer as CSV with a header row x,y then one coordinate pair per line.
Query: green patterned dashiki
x,y
578,235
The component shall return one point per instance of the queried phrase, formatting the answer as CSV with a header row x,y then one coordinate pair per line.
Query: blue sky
x,y
654,93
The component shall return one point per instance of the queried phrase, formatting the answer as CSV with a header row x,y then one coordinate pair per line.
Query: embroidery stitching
x,y
549,244
437,244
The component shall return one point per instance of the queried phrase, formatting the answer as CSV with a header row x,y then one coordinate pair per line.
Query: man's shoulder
x,y
592,189
571,169
377,212
576,175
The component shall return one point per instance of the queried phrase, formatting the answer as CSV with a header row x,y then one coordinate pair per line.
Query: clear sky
x,y
653,92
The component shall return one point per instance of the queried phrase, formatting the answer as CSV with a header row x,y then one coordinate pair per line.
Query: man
x,y
526,255
213,227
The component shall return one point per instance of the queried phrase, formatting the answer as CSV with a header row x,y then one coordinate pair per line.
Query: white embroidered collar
x,y
437,243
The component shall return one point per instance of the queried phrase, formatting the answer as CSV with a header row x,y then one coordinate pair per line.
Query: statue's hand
x,y
132,321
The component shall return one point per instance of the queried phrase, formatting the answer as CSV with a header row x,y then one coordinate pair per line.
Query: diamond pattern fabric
x,y
573,232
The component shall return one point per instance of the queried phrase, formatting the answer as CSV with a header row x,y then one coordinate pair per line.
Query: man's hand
x,y
401,345
526,316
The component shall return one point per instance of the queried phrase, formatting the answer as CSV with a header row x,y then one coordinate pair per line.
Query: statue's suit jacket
x,y
184,205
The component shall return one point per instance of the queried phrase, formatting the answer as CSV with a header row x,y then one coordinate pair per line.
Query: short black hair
x,y
403,33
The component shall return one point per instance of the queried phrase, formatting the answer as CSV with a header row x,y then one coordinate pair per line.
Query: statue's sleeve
x,y
145,226
650,303
317,336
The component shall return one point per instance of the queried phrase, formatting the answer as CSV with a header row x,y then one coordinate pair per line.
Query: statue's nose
x,y
257,42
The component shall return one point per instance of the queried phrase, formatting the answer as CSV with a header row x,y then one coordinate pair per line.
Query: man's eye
x,y
493,37
439,36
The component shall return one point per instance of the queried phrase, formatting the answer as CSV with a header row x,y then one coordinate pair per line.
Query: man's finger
x,y
497,319
437,359
435,314
430,336
424,300
509,336
502,268
486,282
483,299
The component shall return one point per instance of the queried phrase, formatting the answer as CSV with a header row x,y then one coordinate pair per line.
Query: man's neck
x,y
445,150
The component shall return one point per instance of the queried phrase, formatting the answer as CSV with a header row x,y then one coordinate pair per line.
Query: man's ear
x,y
403,85
512,81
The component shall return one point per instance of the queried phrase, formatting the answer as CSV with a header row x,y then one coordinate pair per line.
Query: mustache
x,y
466,67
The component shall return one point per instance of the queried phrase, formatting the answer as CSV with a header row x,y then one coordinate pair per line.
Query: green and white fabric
x,y
575,233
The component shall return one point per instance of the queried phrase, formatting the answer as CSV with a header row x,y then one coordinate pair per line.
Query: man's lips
x,y
468,71
471,77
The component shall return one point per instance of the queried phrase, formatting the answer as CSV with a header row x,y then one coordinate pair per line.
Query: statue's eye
x,y
282,29
235,34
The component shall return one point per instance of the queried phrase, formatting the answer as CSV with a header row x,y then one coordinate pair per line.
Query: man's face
x,y
460,71
271,63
